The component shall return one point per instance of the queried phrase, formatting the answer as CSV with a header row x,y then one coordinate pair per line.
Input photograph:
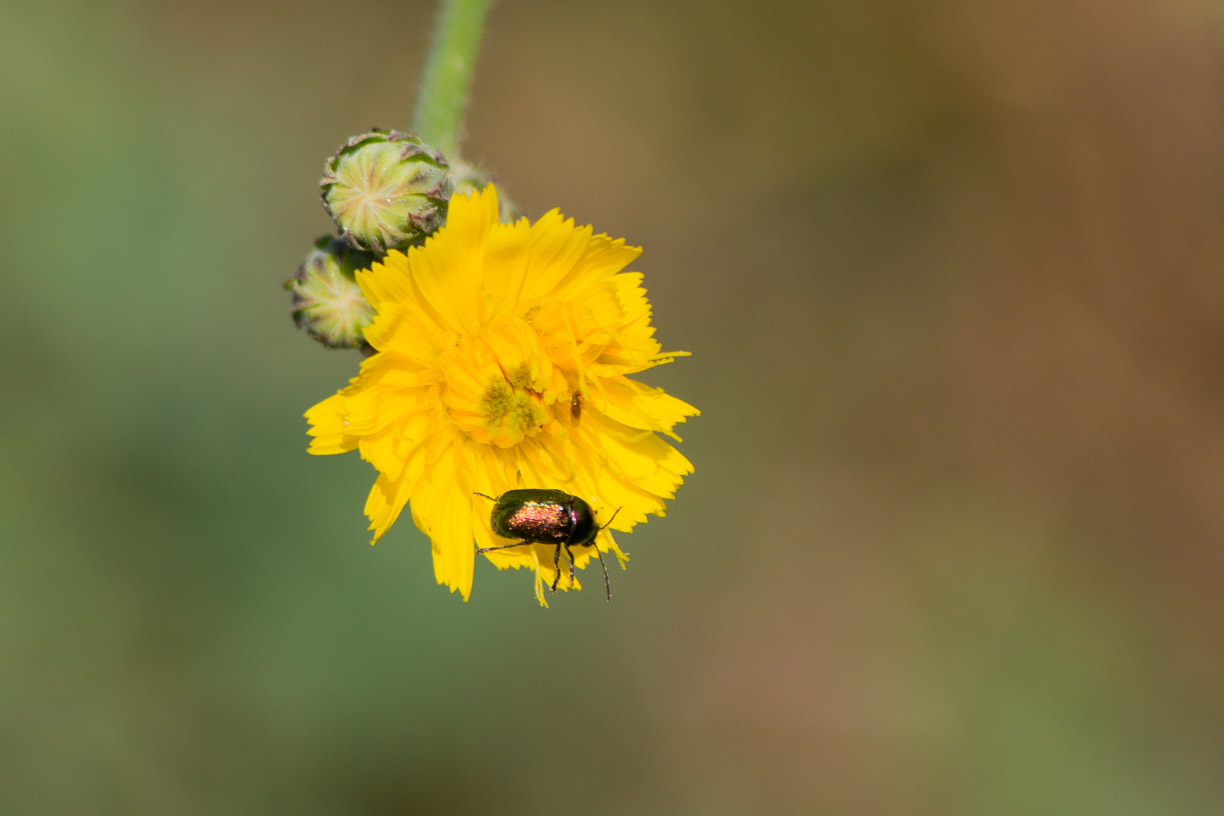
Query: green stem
x,y
448,74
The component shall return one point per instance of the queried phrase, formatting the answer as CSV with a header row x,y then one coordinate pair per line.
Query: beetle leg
x,y
570,553
557,566
503,546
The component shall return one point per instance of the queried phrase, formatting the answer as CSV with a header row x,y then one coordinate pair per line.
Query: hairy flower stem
x,y
448,73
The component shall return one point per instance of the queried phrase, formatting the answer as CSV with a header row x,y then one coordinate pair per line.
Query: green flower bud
x,y
386,190
327,302
472,178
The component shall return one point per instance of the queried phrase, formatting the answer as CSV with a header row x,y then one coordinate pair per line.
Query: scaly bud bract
x,y
386,190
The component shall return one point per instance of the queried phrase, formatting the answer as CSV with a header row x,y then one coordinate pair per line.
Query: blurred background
x,y
951,277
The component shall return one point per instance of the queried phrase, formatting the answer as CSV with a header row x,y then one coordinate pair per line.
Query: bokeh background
x,y
952,279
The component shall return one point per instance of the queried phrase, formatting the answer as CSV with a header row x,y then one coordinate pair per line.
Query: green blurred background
x,y
952,279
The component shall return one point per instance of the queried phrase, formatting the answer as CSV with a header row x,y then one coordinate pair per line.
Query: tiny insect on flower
x,y
547,516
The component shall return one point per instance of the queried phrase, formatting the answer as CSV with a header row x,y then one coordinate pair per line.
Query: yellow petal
x,y
327,426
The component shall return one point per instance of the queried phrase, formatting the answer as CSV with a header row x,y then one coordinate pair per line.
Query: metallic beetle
x,y
547,516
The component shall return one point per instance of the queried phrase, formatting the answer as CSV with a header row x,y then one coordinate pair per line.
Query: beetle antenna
x,y
490,498
601,528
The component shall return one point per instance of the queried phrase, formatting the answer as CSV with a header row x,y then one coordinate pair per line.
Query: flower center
x,y
496,385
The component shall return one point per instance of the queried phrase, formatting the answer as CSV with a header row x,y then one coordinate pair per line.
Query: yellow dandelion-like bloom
x,y
502,360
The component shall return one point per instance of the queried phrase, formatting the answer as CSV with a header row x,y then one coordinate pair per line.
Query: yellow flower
x,y
502,360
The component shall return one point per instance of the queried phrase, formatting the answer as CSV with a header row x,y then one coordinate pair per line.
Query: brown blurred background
x,y
952,281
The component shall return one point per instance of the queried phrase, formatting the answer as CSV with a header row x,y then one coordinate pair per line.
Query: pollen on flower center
x,y
497,400
511,413
520,376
